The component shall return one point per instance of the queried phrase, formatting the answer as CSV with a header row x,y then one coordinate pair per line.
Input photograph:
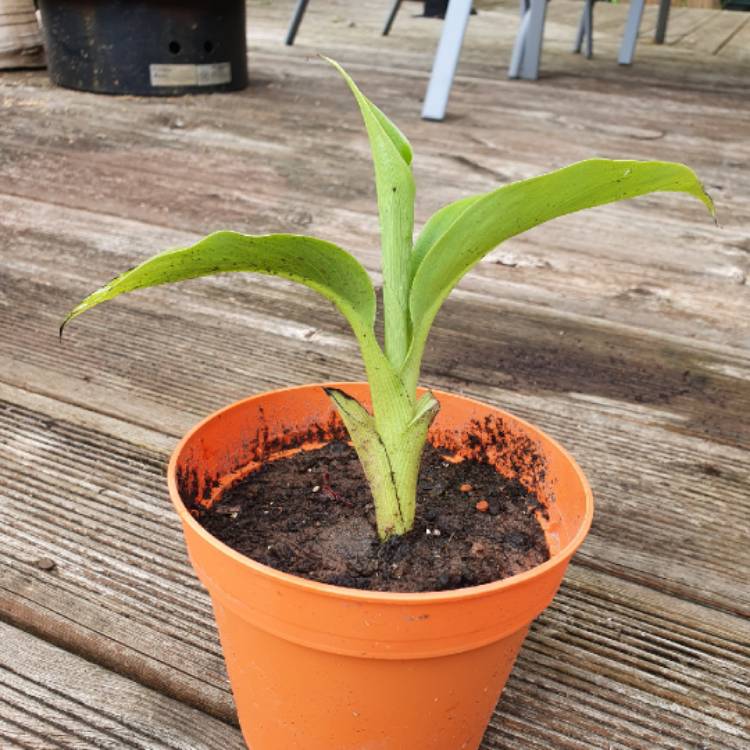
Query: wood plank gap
x,y
731,36
661,585
104,650
85,704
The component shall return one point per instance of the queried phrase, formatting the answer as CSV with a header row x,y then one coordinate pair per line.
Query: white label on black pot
x,y
210,74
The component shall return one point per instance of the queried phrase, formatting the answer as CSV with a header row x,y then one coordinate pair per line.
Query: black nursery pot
x,y
146,47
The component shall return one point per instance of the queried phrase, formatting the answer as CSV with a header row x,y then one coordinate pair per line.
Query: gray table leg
x,y
532,48
630,37
661,21
446,59
391,17
299,12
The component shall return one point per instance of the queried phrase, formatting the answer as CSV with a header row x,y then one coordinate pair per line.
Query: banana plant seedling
x,y
417,277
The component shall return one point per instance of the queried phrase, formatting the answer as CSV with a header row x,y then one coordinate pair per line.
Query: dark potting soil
x,y
312,515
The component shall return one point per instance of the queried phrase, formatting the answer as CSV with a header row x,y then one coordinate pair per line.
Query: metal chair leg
x,y
580,33
532,48
585,31
588,14
661,21
391,17
527,50
514,69
299,13
630,37
446,59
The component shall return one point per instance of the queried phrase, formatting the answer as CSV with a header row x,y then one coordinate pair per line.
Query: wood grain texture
x,y
657,262
607,654
620,667
96,517
653,421
737,45
623,332
54,699
20,37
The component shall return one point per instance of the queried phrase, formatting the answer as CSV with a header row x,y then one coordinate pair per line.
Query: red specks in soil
x,y
331,494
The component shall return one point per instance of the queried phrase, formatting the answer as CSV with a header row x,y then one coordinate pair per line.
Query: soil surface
x,y
312,515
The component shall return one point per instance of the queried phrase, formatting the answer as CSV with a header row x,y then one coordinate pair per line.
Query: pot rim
x,y
383,597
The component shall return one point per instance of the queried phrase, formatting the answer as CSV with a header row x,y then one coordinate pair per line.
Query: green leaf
x,y
319,265
407,458
398,139
425,411
463,233
436,226
391,155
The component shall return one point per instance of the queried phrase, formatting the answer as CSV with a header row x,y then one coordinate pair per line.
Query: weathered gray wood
x,y
701,272
623,332
54,699
693,293
123,582
737,46
711,36
152,607
626,668
653,421
686,21
20,37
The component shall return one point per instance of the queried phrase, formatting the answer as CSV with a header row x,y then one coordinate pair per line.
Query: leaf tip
x,y
336,394
72,314
334,64
710,205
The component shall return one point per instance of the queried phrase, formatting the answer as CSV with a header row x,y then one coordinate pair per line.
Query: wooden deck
x,y
622,331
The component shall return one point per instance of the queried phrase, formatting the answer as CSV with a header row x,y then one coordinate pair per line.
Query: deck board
x,y
717,31
737,46
122,593
54,699
622,331
684,279
655,425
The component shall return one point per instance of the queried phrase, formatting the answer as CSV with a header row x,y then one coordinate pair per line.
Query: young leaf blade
x,y
394,182
320,265
436,226
472,228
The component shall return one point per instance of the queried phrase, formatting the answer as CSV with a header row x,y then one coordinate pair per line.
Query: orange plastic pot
x,y
319,667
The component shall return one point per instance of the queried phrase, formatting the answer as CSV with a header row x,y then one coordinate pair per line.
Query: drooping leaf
x,y
315,263
394,182
471,228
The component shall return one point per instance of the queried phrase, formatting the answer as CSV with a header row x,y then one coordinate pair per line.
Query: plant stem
x,y
390,458
390,441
